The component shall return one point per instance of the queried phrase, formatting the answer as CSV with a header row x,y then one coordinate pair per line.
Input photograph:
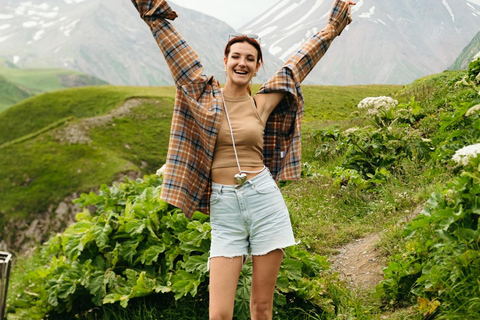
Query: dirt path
x,y
77,132
359,263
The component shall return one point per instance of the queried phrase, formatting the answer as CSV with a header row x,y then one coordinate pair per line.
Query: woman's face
x,y
241,63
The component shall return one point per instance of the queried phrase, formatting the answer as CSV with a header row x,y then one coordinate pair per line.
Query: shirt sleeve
x,y
182,60
301,62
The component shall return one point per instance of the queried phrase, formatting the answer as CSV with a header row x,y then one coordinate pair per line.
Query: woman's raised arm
x,y
302,61
182,60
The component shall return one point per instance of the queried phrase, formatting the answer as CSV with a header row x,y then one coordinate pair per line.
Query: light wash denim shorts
x,y
249,219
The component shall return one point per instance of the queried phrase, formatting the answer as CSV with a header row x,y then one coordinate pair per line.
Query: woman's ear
x,y
225,62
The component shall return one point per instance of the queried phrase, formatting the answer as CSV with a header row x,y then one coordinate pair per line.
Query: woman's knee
x,y
261,309
220,315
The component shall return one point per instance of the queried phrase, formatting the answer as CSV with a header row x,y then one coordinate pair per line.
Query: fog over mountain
x,y
388,42
106,38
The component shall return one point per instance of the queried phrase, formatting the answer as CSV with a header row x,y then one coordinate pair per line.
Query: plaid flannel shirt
x,y
198,108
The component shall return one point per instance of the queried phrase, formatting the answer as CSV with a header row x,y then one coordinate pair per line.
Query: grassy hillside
x,y
22,83
39,166
43,80
461,63
10,93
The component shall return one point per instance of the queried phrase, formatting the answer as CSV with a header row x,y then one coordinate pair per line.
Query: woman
x,y
227,149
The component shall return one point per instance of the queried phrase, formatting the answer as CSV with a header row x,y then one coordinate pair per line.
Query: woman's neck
x,y
234,91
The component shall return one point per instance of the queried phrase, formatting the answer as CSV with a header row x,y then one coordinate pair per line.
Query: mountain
x,y
104,38
467,54
387,42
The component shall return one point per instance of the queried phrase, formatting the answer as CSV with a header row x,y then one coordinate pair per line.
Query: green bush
x,y
474,70
440,263
132,244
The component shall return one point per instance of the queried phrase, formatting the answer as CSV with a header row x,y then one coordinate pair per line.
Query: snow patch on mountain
x,y
357,6
267,31
5,38
368,14
475,11
445,3
5,26
6,16
290,9
47,24
73,1
477,2
49,15
271,12
67,30
38,35
312,10
29,24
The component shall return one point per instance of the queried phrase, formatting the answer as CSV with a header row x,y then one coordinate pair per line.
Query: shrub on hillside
x,y
388,140
474,69
440,264
134,244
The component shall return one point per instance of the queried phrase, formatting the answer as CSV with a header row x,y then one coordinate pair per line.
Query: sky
x,y
234,12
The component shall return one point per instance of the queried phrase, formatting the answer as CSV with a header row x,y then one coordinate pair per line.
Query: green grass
x,y
40,111
334,103
18,84
43,80
10,93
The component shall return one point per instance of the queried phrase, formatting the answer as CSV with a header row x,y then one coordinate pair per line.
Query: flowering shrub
x,y
439,266
457,129
463,156
474,69
473,110
377,105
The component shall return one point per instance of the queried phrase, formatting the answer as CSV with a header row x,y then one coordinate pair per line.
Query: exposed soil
x,y
77,132
360,263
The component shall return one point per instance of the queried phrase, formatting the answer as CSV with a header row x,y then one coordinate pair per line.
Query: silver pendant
x,y
240,178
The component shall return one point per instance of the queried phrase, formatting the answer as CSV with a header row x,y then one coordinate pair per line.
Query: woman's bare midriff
x,y
226,175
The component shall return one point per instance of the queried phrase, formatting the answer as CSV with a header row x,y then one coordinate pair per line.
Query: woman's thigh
x,y
224,274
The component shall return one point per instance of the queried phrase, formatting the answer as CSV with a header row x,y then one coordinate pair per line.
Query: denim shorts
x,y
249,219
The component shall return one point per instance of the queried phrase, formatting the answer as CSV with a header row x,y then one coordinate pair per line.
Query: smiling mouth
x,y
241,72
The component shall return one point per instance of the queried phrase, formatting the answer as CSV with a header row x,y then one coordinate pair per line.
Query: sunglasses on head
x,y
251,36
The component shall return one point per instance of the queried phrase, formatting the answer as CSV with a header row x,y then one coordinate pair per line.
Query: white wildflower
x,y
351,130
161,171
463,156
472,110
374,105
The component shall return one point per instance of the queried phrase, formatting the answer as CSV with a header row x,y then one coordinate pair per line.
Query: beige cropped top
x,y
247,129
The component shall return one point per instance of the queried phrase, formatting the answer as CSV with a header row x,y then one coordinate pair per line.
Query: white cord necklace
x,y
241,176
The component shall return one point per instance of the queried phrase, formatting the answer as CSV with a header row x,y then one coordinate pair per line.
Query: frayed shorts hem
x,y
247,256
